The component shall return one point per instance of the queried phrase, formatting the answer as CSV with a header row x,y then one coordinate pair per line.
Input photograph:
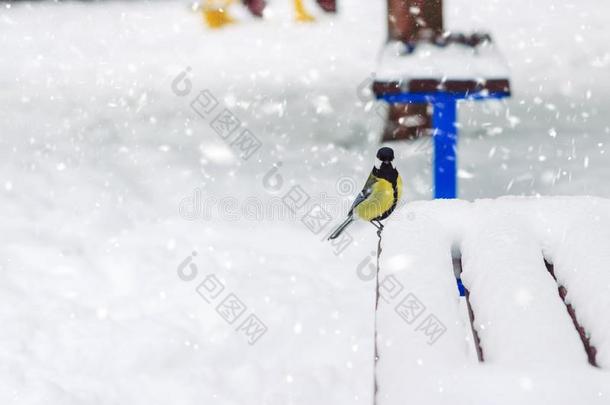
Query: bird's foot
x,y
379,227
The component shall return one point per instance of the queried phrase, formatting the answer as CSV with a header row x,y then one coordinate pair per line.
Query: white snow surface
x,y
97,153
451,62
532,352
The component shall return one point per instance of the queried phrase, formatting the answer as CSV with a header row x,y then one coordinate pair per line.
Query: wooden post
x,y
330,6
410,21
256,7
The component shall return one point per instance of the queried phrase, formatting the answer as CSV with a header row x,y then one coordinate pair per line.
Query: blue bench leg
x,y
445,144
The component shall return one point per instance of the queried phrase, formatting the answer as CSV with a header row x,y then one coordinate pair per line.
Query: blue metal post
x,y
445,145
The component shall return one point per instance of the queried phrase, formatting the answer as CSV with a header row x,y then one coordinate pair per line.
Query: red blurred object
x,y
330,6
256,7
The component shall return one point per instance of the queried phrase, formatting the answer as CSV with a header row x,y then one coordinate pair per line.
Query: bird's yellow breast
x,y
380,200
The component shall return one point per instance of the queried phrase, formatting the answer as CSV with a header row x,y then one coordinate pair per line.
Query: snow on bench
x,y
428,67
530,348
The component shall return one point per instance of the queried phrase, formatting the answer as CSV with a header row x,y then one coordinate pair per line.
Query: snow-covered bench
x,y
515,254
440,72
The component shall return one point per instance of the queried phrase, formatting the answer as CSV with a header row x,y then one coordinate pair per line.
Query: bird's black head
x,y
385,154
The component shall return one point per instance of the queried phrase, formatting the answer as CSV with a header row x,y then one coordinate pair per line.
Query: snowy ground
x,y
98,152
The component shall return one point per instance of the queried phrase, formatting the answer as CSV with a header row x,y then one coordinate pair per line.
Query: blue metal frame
x,y
445,148
444,117
461,288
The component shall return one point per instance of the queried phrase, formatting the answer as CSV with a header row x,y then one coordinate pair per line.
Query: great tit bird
x,y
379,196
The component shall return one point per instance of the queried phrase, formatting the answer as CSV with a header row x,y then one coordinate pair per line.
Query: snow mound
x,y
531,349
398,62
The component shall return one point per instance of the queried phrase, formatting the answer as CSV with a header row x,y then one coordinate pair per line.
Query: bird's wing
x,y
366,191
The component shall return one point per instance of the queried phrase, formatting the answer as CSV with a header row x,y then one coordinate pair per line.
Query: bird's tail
x,y
341,227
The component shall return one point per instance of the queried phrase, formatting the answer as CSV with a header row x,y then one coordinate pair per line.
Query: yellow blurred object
x,y
301,14
216,13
